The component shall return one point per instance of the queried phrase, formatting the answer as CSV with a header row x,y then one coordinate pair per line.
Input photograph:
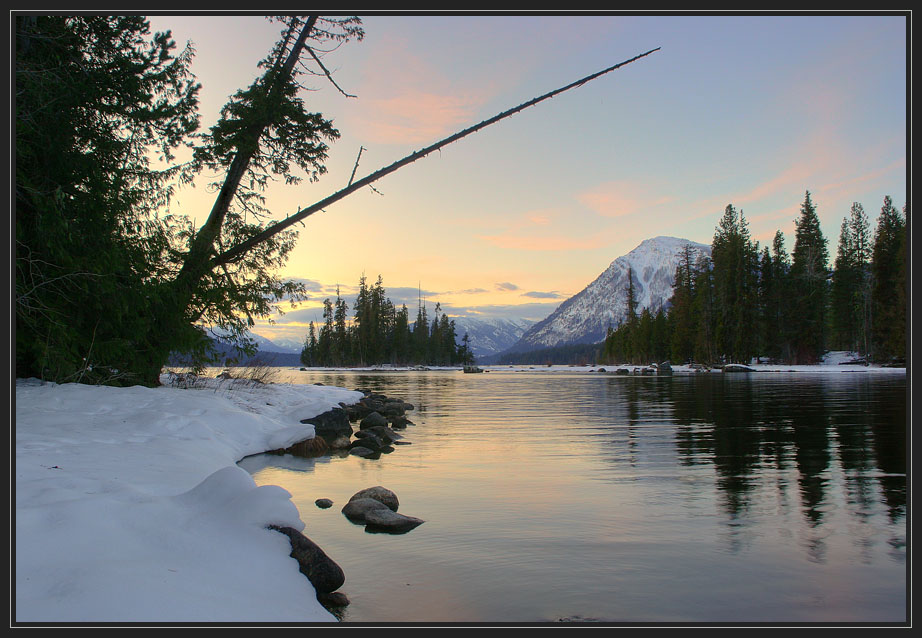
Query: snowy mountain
x,y
266,345
490,335
585,317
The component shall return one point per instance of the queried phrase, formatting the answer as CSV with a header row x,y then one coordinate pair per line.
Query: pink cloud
x,y
623,197
417,117
409,100
519,242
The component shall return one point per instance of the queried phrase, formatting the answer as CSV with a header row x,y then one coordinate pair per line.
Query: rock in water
x,y
325,575
384,520
380,494
357,509
372,420
334,422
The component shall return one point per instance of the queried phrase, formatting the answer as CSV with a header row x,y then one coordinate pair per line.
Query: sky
x,y
746,110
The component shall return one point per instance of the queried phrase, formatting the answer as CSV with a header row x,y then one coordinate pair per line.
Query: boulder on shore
x,y
325,575
333,422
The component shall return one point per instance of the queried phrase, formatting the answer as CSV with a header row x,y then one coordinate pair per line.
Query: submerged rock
x,y
364,452
384,520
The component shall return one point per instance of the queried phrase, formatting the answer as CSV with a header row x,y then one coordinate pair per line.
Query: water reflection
x,y
833,439
706,497
762,434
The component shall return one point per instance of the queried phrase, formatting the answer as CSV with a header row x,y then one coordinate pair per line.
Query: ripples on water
x,y
556,495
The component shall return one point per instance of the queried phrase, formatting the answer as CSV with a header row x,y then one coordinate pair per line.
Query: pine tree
x,y
421,335
778,314
325,345
309,351
99,100
681,313
703,307
808,294
465,354
630,301
859,229
735,277
402,354
340,344
888,292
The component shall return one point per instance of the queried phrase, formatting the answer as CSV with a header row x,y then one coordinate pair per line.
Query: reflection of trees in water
x,y
805,430
785,443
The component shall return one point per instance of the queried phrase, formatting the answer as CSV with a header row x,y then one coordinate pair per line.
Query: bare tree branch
x,y
354,168
326,72
240,249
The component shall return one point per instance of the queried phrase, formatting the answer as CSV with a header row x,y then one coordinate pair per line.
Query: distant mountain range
x,y
582,319
491,335
586,316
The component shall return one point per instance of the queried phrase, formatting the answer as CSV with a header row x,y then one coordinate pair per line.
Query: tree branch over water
x,y
241,249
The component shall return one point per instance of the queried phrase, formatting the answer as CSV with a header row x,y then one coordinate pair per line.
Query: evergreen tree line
x,y
745,301
112,274
381,333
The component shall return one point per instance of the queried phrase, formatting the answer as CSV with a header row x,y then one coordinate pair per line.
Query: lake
x,y
565,496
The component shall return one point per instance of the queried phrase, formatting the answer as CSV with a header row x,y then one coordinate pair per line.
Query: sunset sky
x,y
744,110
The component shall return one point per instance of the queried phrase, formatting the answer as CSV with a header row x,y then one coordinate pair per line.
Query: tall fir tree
x,y
888,293
704,308
809,287
735,277
681,314
340,343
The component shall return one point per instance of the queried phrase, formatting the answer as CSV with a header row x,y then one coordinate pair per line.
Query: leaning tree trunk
x,y
202,258
197,261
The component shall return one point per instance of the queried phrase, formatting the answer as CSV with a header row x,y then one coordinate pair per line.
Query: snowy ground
x,y
130,508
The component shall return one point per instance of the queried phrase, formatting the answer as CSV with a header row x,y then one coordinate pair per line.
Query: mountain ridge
x,y
586,316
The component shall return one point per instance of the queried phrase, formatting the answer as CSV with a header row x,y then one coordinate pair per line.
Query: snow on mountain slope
x,y
490,335
585,317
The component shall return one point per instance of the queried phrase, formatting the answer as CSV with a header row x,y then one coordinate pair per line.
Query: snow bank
x,y
130,508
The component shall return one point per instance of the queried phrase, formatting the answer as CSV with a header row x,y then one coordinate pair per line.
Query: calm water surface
x,y
551,496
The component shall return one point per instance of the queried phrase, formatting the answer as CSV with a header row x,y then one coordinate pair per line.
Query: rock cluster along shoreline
x,y
376,507
378,416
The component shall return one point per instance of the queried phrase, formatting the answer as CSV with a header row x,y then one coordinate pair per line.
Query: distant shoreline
x,y
607,370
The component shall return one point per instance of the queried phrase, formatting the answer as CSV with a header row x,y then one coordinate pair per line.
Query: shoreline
x,y
131,508
129,501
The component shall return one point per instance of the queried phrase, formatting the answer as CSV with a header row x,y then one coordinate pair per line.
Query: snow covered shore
x,y
130,507
833,363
